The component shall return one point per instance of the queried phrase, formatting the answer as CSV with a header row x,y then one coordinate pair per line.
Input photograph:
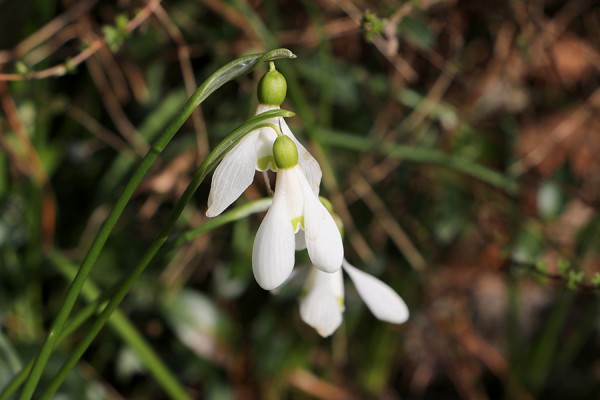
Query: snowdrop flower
x,y
323,305
295,206
255,151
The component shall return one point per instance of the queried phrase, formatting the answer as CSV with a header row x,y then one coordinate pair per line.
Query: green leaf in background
x,y
372,25
116,35
438,123
415,29
197,321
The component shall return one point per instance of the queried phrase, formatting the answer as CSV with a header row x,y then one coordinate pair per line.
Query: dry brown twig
x,y
47,31
389,223
95,128
111,103
309,383
70,65
35,167
183,53
310,36
387,46
558,135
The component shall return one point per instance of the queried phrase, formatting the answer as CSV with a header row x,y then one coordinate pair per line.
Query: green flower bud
x,y
285,152
272,88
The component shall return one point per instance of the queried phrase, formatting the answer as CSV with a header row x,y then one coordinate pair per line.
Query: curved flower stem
x,y
215,81
275,128
207,166
229,216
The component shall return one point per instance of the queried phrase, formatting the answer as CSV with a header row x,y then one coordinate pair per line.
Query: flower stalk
x,y
215,81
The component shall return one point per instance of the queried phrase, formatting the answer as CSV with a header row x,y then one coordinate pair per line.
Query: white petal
x,y
264,150
264,143
381,299
273,251
322,308
290,181
323,239
300,242
307,162
233,175
261,108
335,280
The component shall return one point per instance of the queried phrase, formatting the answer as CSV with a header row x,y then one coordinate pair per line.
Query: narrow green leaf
x,y
229,216
125,285
215,81
419,154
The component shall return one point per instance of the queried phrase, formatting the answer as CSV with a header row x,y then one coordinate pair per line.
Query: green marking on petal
x,y
265,163
298,222
340,300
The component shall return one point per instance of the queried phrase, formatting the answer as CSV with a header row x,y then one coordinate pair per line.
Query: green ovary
x,y
264,162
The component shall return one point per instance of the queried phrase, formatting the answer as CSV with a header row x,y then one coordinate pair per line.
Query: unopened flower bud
x,y
285,152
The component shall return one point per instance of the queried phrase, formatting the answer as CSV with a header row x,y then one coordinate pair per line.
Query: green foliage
x,y
372,25
574,279
116,35
417,31
442,134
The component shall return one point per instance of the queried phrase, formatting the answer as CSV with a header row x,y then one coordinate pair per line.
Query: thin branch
x,y
47,31
70,65
183,53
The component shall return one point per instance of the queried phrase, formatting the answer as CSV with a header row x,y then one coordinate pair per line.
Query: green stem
x,y
73,324
222,76
229,216
11,359
69,328
208,165
547,346
128,333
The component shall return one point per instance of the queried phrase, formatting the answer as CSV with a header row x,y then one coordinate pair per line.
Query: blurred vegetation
x,y
459,144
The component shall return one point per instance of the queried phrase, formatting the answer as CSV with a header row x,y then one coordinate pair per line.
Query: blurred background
x,y
459,142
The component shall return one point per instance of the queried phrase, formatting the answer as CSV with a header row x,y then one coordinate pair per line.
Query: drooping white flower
x,y
323,305
295,206
255,152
